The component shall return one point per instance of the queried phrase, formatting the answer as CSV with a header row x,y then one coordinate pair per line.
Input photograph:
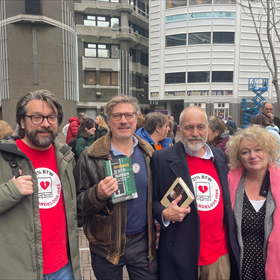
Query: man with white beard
x,y
197,242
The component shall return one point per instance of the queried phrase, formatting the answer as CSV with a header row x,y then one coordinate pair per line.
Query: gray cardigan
x,y
237,210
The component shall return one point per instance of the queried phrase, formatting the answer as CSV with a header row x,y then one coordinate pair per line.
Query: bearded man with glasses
x,y
39,235
119,234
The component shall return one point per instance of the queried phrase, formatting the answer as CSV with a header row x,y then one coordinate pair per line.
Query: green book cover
x,y
122,170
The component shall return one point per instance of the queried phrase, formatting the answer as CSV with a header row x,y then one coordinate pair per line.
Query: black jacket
x,y
178,250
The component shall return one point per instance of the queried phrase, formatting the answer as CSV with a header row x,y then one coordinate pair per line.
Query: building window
x,y
200,2
198,77
222,76
138,81
175,78
113,22
223,37
199,38
222,2
90,78
144,59
132,53
101,50
175,40
139,30
175,3
108,78
33,7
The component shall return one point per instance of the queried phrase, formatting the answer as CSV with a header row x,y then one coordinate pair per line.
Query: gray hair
x,y
182,114
42,94
121,99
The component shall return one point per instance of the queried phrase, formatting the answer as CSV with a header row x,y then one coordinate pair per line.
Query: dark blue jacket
x,y
142,133
179,243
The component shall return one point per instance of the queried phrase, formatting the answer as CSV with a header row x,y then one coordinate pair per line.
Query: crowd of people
x,y
230,230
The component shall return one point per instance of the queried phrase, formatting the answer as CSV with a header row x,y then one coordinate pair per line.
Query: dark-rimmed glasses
x,y
118,116
38,119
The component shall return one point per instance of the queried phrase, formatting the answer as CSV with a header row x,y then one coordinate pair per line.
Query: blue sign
x,y
176,18
224,15
200,15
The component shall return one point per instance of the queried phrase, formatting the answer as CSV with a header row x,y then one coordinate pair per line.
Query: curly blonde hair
x,y
256,134
102,122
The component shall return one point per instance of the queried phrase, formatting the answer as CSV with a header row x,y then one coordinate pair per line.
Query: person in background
x,y
255,199
140,121
39,234
101,127
120,234
197,242
267,110
86,133
170,132
155,130
74,123
218,135
65,130
175,125
231,122
5,129
268,124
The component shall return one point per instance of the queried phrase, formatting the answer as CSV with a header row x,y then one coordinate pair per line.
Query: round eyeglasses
x,y
38,119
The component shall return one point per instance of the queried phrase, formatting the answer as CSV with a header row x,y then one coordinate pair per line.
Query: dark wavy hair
x,y
42,94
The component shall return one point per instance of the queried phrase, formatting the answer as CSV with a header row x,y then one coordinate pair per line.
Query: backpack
x,y
72,143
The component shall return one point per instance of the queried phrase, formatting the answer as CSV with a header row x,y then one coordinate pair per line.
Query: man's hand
x,y
270,116
175,213
24,183
107,187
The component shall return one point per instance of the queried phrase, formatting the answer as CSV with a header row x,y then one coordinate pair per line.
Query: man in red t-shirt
x,y
197,242
44,196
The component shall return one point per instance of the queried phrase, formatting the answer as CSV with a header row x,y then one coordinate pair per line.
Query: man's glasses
x,y
38,119
118,116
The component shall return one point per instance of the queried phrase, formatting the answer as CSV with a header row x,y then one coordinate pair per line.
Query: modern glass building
x,y
202,52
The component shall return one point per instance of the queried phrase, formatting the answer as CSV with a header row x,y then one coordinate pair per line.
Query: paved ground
x,y
86,270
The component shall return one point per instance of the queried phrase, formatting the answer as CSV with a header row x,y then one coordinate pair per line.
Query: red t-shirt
x,y
210,205
51,206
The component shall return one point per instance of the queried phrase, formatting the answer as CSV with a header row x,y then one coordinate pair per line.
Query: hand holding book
x,y
177,199
107,187
174,212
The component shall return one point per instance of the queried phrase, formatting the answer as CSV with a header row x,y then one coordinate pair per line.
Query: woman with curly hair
x,y
101,127
255,199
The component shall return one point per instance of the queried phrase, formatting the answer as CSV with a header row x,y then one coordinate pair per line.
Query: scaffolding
x,y
259,86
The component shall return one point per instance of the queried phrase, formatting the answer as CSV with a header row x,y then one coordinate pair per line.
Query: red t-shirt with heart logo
x,y
51,207
210,205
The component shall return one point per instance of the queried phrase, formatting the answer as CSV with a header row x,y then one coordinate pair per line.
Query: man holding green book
x,y
120,234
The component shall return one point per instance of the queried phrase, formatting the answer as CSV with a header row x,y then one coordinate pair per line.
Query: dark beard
x,y
45,141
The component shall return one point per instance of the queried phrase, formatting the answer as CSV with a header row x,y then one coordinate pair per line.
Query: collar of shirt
x,y
208,152
115,152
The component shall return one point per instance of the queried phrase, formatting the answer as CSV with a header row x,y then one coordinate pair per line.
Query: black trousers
x,y
135,259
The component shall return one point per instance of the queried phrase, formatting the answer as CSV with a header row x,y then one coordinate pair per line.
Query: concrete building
x,y
202,52
113,52
37,51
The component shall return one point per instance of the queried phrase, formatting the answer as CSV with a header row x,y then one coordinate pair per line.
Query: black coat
x,y
178,251
99,132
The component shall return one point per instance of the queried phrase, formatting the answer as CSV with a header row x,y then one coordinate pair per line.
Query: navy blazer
x,y
179,243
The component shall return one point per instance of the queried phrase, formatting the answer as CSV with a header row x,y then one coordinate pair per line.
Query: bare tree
x,y
263,12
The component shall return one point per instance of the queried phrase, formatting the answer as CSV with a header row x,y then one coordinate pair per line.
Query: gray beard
x,y
36,141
